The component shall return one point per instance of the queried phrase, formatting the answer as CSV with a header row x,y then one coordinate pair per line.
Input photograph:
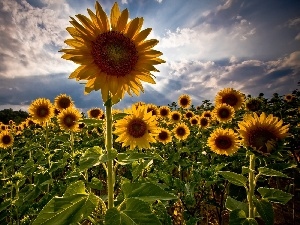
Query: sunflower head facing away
x,y
184,101
41,110
223,113
113,54
95,113
68,119
63,101
230,97
164,136
253,104
137,129
262,132
6,139
223,141
181,131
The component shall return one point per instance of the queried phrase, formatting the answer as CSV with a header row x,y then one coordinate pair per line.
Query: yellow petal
x,y
147,45
103,17
123,19
114,16
74,43
142,35
146,78
132,27
75,72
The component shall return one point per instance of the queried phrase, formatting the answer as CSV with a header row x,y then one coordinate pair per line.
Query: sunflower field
x,y
232,161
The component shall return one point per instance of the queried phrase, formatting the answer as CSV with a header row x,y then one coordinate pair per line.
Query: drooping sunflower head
x,y
184,101
6,139
164,111
68,119
113,54
289,97
223,113
153,109
181,131
207,114
137,129
41,110
223,141
253,104
194,120
63,101
204,121
189,114
230,97
95,113
262,132
175,116
164,136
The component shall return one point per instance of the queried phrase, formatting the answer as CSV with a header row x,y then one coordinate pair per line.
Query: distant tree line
x,y
17,116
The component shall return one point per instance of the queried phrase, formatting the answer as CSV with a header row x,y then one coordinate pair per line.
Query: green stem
x,y
72,149
108,143
251,186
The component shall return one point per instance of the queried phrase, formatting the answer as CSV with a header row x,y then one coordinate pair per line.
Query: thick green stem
x,y
251,186
72,149
108,143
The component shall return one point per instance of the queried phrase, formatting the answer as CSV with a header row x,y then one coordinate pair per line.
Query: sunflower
x,y
223,141
153,109
175,116
113,53
41,110
194,120
137,129
164,136
184,101
3,127
164,111
181,131
189,114
223,113
203,121
262,132
68,119
95,113
207,114
137,104
289,97
6,139
29,122
63,101
253,104
230,97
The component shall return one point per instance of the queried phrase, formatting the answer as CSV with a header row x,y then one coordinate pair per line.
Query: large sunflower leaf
x,y
270,172
265,210
234,178
275,195
238,217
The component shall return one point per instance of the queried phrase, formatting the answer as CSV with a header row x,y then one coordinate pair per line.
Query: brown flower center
x,y
69,120
42,111
163,135
64,102
164,112
189,114
175,117
224,113
153,111
114,54
3,127
203,122
230,99
207,115
137,128
184,102
223,142
194,121
6,139
180,131
259,137
95,113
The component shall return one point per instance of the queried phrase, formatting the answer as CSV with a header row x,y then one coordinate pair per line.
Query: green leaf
x,y
275,195
126,158
233,204
238,217
137,212
146,192
92,122
73,207
234,178
265,210
119,116
245,170
270,172
96,184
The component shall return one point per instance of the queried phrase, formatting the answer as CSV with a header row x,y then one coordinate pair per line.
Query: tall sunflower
x,y
164,136
175,116
68,119
63,101
184,101
137,129
41,110
113,54
223,141
95,113
223,112
181,131
230,97
262,132
6,139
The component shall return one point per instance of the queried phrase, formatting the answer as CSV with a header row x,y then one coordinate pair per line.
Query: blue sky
x,y
251,46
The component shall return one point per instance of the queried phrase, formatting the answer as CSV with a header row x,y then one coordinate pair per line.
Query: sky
x,y
251,46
